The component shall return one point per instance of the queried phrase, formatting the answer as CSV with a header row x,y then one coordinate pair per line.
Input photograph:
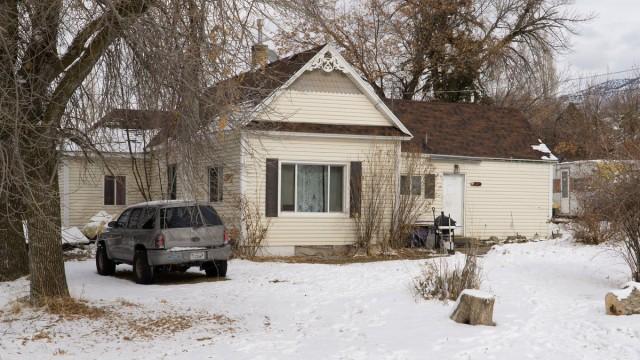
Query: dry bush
x,y
615,195
255,229
442,281
408,207
377,181
590,229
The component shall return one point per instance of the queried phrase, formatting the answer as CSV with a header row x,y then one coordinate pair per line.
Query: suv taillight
x,y
160,241
226,237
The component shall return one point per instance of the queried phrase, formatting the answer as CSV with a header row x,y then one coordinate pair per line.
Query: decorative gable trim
x,y
329,59
326,63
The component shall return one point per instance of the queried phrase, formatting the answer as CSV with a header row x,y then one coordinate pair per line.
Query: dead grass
x,y
122,319
73,309
400,254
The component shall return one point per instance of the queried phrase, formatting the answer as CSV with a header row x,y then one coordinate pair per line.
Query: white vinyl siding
x,y
82,191
513,197
324,102
310,228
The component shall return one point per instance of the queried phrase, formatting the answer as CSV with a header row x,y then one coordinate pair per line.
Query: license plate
x,y
198,255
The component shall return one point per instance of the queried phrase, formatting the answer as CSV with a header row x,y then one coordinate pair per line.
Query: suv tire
x,y
142,271
216,268
104,265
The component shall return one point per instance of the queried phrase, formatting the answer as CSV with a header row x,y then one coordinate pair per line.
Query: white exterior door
x,y
453,199
565,202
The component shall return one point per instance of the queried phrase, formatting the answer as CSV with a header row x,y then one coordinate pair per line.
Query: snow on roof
x,y
543,148
117,140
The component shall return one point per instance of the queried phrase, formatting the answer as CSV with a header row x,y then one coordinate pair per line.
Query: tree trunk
x,y
474,308
13,250
48,278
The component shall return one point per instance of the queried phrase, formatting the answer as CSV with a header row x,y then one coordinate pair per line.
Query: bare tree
x,y
448,50
67,64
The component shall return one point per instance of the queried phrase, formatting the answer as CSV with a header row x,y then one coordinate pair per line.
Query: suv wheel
x,y
216,268
142,271
104,265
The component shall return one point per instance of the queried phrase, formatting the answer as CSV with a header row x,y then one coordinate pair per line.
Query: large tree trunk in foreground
x,y
474,308
13,250
45,245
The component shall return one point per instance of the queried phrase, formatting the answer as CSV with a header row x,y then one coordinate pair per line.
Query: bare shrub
x,y
443,281
255,229
615,189
376,184
408,206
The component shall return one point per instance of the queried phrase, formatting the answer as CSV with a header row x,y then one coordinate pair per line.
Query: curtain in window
x,y
312,188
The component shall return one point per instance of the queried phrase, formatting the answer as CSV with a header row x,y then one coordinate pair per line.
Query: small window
x,y
148,218
172,181
430,186
115,190
134,218
215,184
410,185
123,220
565,184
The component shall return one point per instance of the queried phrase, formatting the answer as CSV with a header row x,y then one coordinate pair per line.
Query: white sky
x,y
610,42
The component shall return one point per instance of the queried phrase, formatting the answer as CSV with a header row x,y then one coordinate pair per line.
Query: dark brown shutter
x,y
271,191
355,188
556,186
109,193
430,186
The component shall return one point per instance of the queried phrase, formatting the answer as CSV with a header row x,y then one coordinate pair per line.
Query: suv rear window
x,y
188,216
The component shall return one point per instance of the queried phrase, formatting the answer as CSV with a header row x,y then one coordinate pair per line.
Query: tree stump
x,y
474,307
625,301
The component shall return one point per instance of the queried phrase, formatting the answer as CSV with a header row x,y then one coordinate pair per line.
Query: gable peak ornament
x,y
327,63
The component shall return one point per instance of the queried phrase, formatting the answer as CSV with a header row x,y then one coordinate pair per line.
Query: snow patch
x,y
477,293
543,148
73,236
626,290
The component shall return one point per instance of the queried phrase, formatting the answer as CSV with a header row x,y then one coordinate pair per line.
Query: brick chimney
x,y
259,55
259,51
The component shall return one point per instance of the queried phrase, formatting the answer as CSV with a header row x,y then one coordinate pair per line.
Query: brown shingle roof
x,y
137,119
285,126
254,86
466,130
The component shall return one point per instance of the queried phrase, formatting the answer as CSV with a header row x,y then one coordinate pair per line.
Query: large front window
x,y
312,188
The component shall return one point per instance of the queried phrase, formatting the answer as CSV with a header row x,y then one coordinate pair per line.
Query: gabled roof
x,y
256,85
467,130
328,59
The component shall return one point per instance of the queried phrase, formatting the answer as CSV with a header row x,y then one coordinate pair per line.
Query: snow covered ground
x,y
549,305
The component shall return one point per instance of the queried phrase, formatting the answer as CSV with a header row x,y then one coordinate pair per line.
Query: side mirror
x,y
112,224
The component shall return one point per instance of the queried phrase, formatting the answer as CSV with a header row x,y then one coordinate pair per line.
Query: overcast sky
x,y
610,42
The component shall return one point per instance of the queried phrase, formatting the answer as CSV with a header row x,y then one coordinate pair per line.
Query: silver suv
x,y
164,235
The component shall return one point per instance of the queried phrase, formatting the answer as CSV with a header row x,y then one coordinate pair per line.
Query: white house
x,y
303,157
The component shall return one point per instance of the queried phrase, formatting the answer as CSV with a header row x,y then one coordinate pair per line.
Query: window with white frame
x,y
312,188
115,190
215,183
410,185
